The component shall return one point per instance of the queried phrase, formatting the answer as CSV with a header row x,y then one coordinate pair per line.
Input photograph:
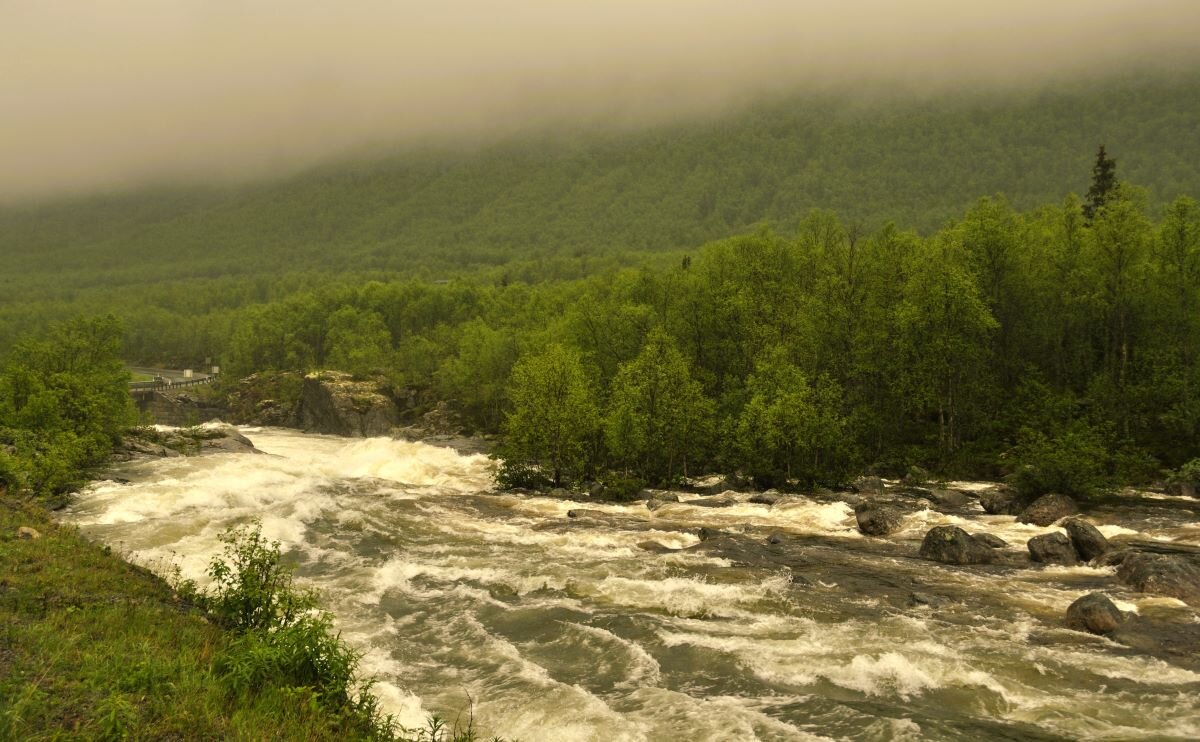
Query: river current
x,y
564,629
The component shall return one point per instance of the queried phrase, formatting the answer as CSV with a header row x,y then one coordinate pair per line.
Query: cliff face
x,y
335,403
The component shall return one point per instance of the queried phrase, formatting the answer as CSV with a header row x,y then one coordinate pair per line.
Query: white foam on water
x,y
644,670
682,596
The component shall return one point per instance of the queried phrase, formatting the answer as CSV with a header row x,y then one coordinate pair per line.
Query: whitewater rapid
x,y
570,629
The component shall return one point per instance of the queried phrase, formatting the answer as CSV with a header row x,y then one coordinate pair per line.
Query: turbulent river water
x,y
566,629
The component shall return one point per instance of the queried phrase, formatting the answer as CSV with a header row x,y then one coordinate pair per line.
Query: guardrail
x,y
145,387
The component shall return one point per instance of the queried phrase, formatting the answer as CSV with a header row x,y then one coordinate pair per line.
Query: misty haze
x,y
634,371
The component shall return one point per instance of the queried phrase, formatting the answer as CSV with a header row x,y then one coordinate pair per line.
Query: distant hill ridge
x,y
916,162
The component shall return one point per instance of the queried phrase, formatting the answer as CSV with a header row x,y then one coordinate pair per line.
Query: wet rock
x,y
1000,501
715,485
1052,548
949,499
765,498
654,547
705,533
774,539
27,533
1047,509
915,477
1162,574
559,493
869,485
723,500
658,501
1094,613
1182,489
916,600
1089,543
989,540
586,513
336,403
953,545
877,520
226,439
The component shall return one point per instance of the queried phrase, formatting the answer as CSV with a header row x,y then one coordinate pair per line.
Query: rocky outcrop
x,y
1000,501
1094,613
953,545
1089,543
336,403
1048,509
1052,548
1162,574
203,439
877,520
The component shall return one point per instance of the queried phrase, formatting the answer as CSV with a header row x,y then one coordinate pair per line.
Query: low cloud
x,y
101,95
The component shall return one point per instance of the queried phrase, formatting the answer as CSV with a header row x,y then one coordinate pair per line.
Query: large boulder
x,y
953,545
1094,613
1047,509
1182,489
1162,574
1052,548
1000,501
336,403
877,520
1089,543
868,485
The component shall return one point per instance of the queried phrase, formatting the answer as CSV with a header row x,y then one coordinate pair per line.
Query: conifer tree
x,y
1104,182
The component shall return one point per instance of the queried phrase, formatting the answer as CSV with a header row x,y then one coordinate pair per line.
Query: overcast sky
x,y
100,94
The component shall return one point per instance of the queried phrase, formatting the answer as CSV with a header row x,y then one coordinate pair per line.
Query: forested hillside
x,y
872,156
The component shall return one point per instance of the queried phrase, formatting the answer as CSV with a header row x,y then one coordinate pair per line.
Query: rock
x,y
953,545
925,599
764,498
1094,613
715,485
949,499
27,533
560,493
1052,548
1162,574
658,501
723,500
1182,489
869,485
1089,543
1000,501
336,403
585,513
877,520
774,539
989,540
654,547
229,440
915,477
1047,509
705,533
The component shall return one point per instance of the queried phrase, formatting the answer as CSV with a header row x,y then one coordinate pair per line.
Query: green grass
x,y
92,647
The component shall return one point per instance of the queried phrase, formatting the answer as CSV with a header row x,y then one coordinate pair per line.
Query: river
x,y
569,629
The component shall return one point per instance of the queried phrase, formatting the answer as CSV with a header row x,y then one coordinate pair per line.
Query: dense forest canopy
x,y
799,344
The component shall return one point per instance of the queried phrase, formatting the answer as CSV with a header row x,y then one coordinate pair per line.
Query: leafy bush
x,y
1072,462
1189,473
620,488
514,474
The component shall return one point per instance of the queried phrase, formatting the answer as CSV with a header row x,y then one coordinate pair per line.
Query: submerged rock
x,y
1000,501
953,545
1162,574
877,520
765,498
1048,509
1094,613
654,547
989,540
1052,548
1089,543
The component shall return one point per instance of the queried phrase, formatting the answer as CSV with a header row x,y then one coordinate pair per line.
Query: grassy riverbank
x,y
92,647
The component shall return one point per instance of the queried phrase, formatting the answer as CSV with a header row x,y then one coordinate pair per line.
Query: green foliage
x,y
1104,182
1189,473
790,426
251,588
1071,462
553,415
658,416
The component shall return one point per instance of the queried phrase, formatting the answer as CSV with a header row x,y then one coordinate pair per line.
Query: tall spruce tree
x,y
1104,182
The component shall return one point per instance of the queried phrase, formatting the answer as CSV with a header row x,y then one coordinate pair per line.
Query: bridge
x,y
165,380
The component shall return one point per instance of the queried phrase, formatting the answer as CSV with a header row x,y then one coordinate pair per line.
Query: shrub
x,y
514,474
1072,462
1189,473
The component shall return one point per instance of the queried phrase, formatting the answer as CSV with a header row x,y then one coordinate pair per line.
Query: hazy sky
x,y
100,94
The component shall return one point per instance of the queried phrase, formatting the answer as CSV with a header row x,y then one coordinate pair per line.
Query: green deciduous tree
x,y
553,417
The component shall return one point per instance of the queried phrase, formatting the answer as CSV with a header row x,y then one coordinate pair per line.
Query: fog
x,y
101,95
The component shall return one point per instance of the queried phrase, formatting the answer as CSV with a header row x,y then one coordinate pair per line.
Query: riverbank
x,y
93,647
